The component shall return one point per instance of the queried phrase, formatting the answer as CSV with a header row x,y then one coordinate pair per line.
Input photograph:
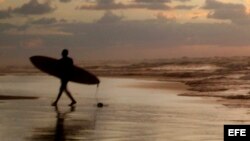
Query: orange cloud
x,y
197,14
247,5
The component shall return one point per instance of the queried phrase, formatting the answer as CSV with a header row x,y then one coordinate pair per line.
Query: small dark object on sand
x,y
100,105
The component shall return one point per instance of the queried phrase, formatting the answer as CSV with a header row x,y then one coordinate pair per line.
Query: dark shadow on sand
x,y
8,97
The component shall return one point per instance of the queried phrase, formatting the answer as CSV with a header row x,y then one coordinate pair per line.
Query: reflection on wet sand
x,y
65,128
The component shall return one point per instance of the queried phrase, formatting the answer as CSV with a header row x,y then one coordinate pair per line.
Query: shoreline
x,y
219,94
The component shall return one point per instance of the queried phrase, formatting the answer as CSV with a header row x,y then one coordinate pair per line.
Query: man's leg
x,y
62,88
70,96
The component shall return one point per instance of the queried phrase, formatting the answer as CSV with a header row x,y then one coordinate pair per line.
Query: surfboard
x,y
50,66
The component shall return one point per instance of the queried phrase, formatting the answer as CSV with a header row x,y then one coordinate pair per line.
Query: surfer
x,y
65,66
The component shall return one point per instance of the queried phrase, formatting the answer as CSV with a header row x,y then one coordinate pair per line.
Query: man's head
x,y
65,53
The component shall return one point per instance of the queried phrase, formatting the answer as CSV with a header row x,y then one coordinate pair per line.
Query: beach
x,y
134,110
169,70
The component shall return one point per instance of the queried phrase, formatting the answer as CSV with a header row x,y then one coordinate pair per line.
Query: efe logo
x,y
236,132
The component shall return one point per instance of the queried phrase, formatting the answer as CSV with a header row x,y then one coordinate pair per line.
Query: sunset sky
x,y
123,29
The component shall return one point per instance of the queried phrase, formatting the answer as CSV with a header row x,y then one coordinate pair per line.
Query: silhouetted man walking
x,y
65,65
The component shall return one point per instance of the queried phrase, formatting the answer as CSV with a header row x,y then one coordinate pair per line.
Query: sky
x,y
123,29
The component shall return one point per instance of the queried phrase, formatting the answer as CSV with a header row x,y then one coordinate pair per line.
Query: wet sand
x,y
134,110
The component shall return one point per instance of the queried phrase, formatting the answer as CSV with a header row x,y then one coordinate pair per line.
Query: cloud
x,y
160,1
152,6
145,38
102,5
135,4
164,18
152,1
44,21
41,30
65,1
112,30
109,17
184,7
33,7
105,1
236,13
183,0
138,4
149,33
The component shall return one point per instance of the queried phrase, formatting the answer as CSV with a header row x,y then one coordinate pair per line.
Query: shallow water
x,y
130,113
189,67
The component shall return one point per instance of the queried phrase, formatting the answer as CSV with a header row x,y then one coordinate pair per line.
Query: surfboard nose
x,y
96,81
93,80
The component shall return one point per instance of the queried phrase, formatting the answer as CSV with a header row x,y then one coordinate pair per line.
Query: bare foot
x,y
72,103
